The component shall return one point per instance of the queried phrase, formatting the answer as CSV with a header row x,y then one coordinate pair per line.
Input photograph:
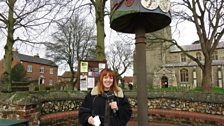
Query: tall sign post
x,y
140,17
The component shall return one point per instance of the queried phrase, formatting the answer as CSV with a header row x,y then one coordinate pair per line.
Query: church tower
x,y
157,47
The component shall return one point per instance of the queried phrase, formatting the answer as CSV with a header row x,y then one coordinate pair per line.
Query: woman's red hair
x,y
103,73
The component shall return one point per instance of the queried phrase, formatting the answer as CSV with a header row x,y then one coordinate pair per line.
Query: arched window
x,y
183,58
198,56
184,75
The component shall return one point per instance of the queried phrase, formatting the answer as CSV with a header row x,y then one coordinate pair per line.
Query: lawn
x,y
186,89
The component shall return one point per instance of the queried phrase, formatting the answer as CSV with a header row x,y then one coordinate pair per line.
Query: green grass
x,y
213,90
170,89
197,89
216,90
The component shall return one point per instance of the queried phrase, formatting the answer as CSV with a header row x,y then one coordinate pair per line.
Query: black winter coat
x,y
97,104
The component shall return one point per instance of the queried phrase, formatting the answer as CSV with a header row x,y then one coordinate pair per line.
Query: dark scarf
x,y
107,114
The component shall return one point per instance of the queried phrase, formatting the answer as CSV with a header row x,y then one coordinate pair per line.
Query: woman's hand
x,y
90,120
113,105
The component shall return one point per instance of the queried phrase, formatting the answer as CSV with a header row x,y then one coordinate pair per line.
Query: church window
x,y
220,77
184,75
183,58
215,55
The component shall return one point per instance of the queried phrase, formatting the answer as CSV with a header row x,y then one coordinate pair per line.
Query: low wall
x,y
60,108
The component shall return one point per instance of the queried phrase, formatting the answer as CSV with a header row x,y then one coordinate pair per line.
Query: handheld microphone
x,y
110,97
114,110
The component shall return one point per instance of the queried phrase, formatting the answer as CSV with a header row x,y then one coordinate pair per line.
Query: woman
x,y
105,101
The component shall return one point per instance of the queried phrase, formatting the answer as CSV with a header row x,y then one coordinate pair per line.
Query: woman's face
x,y
107,82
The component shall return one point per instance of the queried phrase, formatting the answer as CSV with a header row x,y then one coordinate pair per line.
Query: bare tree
x,y
208,18
99,6
120,57
23,21
75,40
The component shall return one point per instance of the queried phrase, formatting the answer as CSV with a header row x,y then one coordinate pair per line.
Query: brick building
x,y
66,77
37,69
167,66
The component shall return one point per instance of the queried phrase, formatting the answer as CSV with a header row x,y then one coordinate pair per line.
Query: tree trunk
x,y
72,76
100,54
207,75
8,57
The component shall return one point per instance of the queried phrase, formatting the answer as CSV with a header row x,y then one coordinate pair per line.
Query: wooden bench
x,y
11,122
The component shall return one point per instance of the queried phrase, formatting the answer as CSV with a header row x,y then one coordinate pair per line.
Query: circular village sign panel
x,y
152,15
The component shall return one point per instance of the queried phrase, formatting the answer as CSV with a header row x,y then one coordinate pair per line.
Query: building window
x,y
51,71
29,68
198,56
50,82
184,75
42,69
194,77
215,55
220,77
183,58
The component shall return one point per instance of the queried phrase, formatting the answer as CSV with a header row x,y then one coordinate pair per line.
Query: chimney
x,y
36,56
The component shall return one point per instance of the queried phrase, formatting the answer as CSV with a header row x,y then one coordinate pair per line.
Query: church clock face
x,y
150,4
164,5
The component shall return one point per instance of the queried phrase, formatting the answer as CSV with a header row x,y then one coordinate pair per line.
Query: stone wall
x,y
185,109
33,105
41,108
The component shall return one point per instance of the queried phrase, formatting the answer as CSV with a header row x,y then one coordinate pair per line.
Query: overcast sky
x,y
186,36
